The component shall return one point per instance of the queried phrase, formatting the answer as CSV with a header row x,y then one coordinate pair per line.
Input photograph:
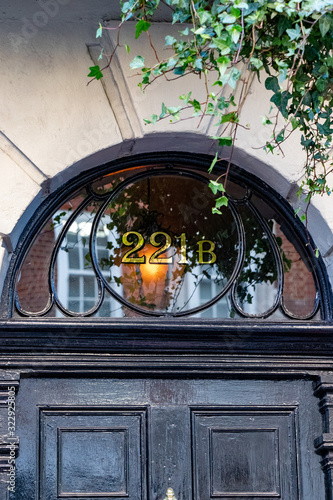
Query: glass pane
x,y
89,286
33,283
164,240
150,237
74,286
257,287
73,256
74,305
299,291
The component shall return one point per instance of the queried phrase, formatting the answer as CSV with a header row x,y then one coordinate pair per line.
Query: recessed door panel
x,y
92,453
248,452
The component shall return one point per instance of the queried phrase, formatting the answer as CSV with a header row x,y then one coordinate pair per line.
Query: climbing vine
x,y
287,45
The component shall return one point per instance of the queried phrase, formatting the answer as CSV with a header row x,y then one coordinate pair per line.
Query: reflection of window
x,y
76,281
208,290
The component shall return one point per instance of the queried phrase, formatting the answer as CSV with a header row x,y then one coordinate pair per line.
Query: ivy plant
x,y
287,45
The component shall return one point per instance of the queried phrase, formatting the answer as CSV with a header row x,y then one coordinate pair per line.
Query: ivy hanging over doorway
x,y
285,44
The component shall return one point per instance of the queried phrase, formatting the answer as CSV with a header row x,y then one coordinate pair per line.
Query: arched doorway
x,y
161,345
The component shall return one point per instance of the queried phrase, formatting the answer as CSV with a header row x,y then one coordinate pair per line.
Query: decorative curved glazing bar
x,y
212,251
28,314
147,175
290,315
278,260
60,240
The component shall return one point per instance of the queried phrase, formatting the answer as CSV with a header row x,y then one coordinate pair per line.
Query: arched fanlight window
x,y
144,240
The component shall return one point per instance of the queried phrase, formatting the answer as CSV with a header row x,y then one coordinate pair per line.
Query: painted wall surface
x,y
53,126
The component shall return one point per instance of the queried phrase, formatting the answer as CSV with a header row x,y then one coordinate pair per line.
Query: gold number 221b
x,y
206,254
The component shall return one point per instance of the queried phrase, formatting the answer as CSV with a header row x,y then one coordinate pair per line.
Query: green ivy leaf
x,y
222,64
185,32
324,25
211,109
234,77
212,165
222,201
283,23
268,148
294,34
174,110
229,117
225,141
223,46
185,97
141,26
216,211
229,19
272,83
235,31
280,136
138,62
127,48
164,110
257,63
179,70
266,121
204,16
95,72
241,4
99,32
216,187
281,101
170,40
294,123
196,105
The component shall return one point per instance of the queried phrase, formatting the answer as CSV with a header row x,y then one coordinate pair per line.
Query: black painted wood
x,y
165,336
206,439
92,452
251,452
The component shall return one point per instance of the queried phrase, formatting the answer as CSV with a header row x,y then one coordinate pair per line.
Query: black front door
x,y
134,439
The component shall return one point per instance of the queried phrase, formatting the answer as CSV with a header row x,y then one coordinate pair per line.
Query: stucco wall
x,y
54,126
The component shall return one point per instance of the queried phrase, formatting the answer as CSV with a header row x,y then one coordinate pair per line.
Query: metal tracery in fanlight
x,y
189,256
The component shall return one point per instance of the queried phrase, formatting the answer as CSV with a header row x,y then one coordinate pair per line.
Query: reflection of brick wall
x,y
299,287
33,289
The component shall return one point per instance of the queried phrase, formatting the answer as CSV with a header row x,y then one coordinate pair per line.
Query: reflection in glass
x,y
164,240
257,285
145,242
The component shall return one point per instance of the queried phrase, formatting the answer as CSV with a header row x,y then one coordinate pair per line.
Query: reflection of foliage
x,y
139,209
161,204
259,262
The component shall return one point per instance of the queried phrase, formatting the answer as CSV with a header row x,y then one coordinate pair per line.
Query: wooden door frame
x,y
126,348
188,349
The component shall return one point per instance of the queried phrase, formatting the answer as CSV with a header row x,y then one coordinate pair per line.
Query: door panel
x,y
206,439
92,453
243,453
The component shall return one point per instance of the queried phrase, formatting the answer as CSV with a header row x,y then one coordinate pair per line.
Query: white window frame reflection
x,y
82,225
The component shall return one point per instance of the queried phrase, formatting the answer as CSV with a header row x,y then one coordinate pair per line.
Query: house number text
x,y
163,241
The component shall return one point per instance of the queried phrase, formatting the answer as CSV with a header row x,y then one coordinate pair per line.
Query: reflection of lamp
x,y
150,284
152,273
